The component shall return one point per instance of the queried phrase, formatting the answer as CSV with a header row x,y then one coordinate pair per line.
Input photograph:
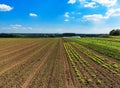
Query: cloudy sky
x,y
58,16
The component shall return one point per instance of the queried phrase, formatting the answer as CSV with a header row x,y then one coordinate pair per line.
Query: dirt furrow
x,y
37,67
104,56
17,49
24,58
67,75
16,44
41,79
102,73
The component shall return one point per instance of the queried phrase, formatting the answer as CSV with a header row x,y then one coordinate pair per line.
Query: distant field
x,y
60,63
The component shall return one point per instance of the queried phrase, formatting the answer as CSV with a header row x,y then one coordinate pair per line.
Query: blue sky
x,y
59,16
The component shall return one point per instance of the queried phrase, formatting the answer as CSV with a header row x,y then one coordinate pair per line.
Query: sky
x,y
59,16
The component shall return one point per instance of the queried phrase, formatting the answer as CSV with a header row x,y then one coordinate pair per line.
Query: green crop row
x,y
106,48
70,57
74,58
101,41
104,62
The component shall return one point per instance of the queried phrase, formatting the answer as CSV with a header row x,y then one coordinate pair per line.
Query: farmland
x,y
60,62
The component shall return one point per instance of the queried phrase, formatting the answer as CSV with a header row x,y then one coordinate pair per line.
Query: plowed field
x,y
59,63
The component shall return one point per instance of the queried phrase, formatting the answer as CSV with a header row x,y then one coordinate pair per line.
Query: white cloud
x,y
94,17
18,26
15,26
71,1
107,3
33,15
4,7
90,5
87,4
71,16
98,17
113,12
66,20
67,15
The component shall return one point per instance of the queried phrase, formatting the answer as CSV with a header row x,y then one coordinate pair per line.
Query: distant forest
x,y
115,32
45,35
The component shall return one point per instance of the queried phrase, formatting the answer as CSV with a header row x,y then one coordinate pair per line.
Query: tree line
x,y
115,32
44,35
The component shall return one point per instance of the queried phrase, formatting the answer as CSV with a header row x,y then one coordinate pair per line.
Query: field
x,y
60,63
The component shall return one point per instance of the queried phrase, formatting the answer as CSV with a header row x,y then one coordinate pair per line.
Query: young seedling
x,y
99,81
89,80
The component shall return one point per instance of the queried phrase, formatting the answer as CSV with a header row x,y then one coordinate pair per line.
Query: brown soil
x,y
108,80
36,68
44,63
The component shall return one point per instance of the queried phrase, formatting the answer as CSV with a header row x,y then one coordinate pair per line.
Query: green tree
x,y
115,32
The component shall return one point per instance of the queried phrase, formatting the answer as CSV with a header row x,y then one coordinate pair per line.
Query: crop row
x,y
17,74
104,62
102,41
46,75
107,49
90,74
70,56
